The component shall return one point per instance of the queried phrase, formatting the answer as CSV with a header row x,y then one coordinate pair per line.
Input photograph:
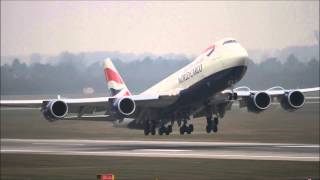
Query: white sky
x,y
51,27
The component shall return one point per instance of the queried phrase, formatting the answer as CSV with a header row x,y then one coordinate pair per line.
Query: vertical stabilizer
x,y
115,83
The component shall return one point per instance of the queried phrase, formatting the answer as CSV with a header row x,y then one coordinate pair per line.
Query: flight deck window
x,y
211,51
229,41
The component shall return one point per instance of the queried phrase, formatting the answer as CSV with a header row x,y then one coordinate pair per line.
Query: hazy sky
x,y
158,27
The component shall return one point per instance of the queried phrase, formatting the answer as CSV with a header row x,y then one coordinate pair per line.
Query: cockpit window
x,y
229,41
211,51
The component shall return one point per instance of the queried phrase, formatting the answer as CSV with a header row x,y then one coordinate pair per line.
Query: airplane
x,y
203,88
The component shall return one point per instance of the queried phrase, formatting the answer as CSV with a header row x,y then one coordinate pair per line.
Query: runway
x,y
167,149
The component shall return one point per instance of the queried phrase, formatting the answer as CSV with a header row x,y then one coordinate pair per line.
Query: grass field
x,y
38,167
274,125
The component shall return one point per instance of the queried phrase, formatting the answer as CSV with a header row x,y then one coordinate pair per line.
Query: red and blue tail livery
x,y
115,82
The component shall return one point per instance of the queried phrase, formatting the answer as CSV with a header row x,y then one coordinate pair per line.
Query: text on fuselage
x,y
190,73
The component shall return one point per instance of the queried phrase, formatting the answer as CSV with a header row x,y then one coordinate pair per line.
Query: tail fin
x,y
115,83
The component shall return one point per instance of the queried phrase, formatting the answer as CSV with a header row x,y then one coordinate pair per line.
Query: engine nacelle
x,y
258,102
292,100
54,110
124,106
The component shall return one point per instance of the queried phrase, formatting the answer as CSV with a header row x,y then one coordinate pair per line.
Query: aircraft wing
x,y
246,97
82,106
259,100
274,91
73,104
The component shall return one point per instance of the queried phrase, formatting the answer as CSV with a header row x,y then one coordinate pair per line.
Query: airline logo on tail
x,y
115,83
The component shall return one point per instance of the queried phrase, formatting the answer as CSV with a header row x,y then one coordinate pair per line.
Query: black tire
x,y
153,130
215,128
209,120
216,120
160,131
191,127
208,129
146,129
182,130
146,132
167,131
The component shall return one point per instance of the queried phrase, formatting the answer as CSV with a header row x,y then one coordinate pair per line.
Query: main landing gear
x,y
165,130
212,124
186,128
150,128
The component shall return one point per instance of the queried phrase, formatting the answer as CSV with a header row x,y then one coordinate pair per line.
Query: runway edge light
x,y
105,177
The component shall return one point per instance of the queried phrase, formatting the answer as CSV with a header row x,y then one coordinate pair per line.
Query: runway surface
x,y
169,149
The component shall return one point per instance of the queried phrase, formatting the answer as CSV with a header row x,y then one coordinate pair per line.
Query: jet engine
x,y
54,110
124,106
258,102
292,100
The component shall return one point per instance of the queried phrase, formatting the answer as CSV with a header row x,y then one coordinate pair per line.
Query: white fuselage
x,y
214,65
223,56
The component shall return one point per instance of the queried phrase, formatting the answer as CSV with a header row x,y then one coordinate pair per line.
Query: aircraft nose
x,y
242,58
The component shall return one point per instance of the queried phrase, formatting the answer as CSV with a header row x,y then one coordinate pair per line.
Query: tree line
x,y
70,76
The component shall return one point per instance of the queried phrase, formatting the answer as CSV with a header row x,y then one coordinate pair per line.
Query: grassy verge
x,y
86,167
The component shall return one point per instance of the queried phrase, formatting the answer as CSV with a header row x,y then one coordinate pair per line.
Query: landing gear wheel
x,y
212,125
169,129
146,132
209,119
215,128
190,129
153,130
216,121
161,130
183,129
146,129
215,124
208,129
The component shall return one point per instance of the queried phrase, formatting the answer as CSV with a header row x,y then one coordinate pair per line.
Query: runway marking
x,y
24,150
162,150
300,146
148,142
166,149
157,154
73,144
135,142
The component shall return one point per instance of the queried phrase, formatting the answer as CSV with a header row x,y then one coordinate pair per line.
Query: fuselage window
x,y
229,41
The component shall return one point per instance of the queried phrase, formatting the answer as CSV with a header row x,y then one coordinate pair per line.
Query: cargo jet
x,y
203,88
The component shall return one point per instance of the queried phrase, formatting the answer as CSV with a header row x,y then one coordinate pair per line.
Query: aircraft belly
x,y
212,84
